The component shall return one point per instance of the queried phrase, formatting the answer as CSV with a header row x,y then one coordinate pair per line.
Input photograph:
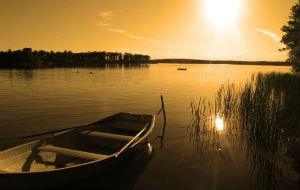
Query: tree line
x,y
27,59
291,37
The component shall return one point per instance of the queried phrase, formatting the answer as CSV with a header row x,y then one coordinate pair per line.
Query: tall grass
x,y
202,128
263,113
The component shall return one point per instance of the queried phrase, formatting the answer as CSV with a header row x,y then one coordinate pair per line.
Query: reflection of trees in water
x,y
264,115
135,66
26,74
121,66
30,74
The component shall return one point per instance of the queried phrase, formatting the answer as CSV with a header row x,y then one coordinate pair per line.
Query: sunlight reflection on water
x,y
219,123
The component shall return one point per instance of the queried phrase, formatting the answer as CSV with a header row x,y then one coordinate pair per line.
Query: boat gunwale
x,y
114,155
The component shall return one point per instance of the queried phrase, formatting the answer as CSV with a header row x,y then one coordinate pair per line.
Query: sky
x,y
196,29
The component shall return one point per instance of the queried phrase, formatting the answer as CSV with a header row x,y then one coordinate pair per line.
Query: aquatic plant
x,y
264,114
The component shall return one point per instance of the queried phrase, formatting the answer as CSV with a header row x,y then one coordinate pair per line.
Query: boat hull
x,y
23,179
59,178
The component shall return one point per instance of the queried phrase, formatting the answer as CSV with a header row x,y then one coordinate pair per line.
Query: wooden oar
x,y
51,132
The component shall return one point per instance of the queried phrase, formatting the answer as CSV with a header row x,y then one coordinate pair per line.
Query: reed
x,y
263,113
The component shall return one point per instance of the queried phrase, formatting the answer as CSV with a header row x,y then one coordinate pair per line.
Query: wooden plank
x,y
107,135
73,153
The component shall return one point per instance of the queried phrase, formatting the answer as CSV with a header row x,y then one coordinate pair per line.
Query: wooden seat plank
x,y
73,153
107,135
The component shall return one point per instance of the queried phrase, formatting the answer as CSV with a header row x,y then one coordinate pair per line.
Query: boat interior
x,y
97,141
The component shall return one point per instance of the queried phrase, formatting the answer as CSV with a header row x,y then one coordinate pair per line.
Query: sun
x,y
222,13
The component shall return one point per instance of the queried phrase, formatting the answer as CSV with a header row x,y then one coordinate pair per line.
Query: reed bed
x,y
263,113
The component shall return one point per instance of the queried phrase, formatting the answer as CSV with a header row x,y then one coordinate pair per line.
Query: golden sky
x,y
160,28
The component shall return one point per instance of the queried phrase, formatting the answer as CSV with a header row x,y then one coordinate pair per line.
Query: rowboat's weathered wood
x,y
132,140
73,153
52,132
106,135
67,150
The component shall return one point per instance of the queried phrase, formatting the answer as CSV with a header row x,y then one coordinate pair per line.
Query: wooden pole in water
x,y
163,108
162,137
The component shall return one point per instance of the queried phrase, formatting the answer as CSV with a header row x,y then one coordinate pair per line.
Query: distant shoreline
x,y
37,59
198,61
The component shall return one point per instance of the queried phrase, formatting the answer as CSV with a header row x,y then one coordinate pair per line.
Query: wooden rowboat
x,y
74,153
182,69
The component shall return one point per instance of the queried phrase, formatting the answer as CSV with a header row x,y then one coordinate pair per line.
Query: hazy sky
x,y
159,28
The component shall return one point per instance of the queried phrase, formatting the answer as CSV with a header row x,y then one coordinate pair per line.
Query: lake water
x,y
35,101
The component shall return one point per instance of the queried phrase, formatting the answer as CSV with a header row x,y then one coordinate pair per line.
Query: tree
x,y
291,38
26,58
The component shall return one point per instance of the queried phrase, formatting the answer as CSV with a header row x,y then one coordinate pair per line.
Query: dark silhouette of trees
x,y
291,38
28,59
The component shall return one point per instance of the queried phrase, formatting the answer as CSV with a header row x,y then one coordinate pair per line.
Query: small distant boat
x,y
182,69
74,153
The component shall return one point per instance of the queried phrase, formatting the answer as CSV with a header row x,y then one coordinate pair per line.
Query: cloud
x,y
103,24
270,34
107,15
152,41
117,30
141,38
136,37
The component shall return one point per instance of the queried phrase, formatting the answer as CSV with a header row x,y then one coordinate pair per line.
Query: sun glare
x,y
219,123
222,13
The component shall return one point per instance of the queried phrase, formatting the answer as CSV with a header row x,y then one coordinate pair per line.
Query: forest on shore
x,y
29,59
